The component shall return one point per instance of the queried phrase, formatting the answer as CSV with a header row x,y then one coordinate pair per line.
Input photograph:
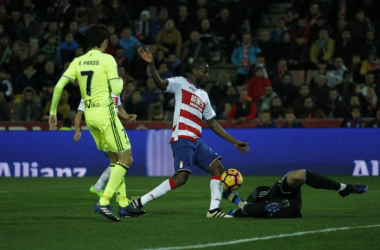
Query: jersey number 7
x,y
89,75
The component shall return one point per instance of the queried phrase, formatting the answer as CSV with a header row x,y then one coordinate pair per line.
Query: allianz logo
x,y
26,169
363,169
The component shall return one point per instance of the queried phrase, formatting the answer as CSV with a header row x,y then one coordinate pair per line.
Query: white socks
x,y
216,192
342,187
159,191
102,180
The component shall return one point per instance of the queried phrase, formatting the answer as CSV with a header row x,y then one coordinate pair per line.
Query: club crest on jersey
x,y
197,103
181,164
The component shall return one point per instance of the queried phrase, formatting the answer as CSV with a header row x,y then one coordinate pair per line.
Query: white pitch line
x,y
261,238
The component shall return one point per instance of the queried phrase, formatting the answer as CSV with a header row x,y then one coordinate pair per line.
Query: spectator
x,y
63,109
301,54
240,15
277,110
129,43
355,67
290,16
209,39
10,26
359,101
323,48
120,58
40,62
286,90
300,29
286,50
311,111
231,98
169,39
298,103
66,15
5,47
320,91
266,121
243,110
201,15
27,27
218,91
49,75
266,99
113,45
143,28
338,29
47,95
290,120
244,57
281,29
29,110
79,52
159,23
66,49
118,16
278,73
372,102
96,13
175,65
372,64
369,44
163,71
79,34
194,49
369,83
314,31
5,110
260,63
375,123
359,26
335,76
313,15
256,85
183,23
26,79
128,91
5,86
225,111
154,99
225,30
137,106
341,10
354,120
322,70
346,89
346,47
268,48
334,107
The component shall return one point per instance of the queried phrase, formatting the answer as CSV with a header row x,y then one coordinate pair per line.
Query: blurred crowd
x,y
336,39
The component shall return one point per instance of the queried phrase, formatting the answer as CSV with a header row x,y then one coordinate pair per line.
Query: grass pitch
x,y
44,213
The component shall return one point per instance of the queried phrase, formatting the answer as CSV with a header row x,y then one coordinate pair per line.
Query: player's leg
x,y
183,151
103,179
207,159
297,178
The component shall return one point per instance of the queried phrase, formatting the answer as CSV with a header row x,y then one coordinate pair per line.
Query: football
x,y
232,179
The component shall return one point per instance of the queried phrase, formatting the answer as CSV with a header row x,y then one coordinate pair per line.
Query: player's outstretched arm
x,y
147,57
77,120
241,146
63,81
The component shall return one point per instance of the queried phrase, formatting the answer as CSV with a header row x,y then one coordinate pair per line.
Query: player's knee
x,y
216,168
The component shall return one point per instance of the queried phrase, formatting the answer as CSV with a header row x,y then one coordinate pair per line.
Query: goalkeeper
x,y
283,199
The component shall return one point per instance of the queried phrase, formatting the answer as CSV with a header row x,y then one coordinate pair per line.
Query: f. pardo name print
x,y
26,169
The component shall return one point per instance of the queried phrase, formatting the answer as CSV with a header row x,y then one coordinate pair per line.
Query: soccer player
x,y
191,102
97,77
283,199
97,189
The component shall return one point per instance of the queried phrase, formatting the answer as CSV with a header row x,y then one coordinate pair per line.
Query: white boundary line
x,y
261,238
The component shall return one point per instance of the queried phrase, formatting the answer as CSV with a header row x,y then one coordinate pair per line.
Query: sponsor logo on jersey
x,y
89,104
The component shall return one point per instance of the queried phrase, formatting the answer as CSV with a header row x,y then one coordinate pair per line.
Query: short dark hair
x,y
266,111
96,35
197,64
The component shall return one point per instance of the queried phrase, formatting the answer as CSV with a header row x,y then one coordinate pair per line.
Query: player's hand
x,y
77,136
53,122
242,146
145,54
132,117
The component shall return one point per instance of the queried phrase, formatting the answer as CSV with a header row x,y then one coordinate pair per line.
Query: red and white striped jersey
x,y
190,104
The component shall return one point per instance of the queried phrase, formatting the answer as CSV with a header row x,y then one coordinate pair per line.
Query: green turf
x,y
44,213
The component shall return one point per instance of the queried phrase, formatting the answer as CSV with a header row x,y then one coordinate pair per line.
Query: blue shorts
x,y
187,153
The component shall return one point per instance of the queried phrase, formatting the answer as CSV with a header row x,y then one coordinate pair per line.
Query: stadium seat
x,y
309,74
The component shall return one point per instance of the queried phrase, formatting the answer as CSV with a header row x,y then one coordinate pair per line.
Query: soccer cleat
x,y
130,211
106,211
274,207
92,190
230,195
353,189
216,213
136,202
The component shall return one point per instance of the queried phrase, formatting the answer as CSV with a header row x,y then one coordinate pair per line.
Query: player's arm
x,y
77,122
123,114
116,83
63,81
147,57
214,126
